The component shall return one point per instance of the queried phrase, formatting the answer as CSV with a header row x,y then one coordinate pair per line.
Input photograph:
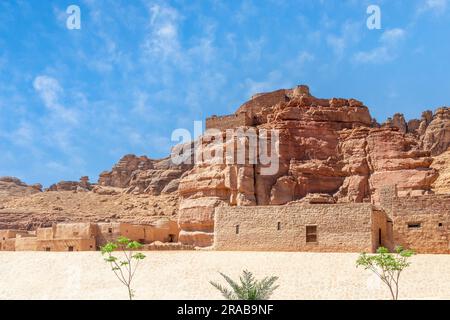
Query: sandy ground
x,y
185,275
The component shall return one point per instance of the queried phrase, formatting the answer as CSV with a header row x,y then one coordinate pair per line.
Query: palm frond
x,y
249,288
225,292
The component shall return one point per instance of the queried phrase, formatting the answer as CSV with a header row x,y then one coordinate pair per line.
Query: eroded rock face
x,y
141,175
436,137
45,208
122,172
14,187
441,164
82,185
330,150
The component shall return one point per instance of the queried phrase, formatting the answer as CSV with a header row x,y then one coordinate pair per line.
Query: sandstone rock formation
x,y
436,137
45,208
331,150
139,175
82,185
441,164
10,186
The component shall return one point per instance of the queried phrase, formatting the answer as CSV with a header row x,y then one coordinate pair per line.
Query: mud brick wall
x,y
339,228
422,223
229,122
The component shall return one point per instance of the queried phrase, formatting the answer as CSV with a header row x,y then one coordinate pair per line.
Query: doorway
x,y
379,237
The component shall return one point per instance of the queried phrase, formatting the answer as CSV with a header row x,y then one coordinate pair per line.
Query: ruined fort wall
x,y
86,236
386,196
107,232
26,244
231,121
167,232
133,232
339,228
45,233
9,234
74,230
164,231
66,245
262,100
422,223
8,244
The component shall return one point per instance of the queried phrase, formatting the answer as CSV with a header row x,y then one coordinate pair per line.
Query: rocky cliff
x,y
330,150
140,175
10,186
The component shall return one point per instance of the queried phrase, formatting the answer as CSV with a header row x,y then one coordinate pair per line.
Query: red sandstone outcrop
x,y
436,137
82,185
45,208
327,147
11,186
330,150
441,164
122,172
138,175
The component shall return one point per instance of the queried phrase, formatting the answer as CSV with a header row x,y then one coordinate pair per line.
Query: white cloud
x,y
50,91
163,40
436,6
377,55
391,36
386,52
57,127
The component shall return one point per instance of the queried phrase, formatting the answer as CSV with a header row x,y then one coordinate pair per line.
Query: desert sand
x,y
185,275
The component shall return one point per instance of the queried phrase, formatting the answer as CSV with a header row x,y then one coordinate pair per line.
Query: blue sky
x,y
72,102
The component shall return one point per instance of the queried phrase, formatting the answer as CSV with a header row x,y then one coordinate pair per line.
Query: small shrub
x,y
387,266
124,269
248,289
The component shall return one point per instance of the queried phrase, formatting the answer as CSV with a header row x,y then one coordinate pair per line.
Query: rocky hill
x,y
137,190
331,150
10,186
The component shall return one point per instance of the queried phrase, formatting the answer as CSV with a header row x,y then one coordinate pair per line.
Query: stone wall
x,y
107,232
8,239
264,100
66,245
422,223
387,195
86,236
381,230
163,231
338,228
231,121
8,245
26,244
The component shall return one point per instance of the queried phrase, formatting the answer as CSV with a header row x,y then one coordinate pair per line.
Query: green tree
x,y
248,289
124,268
387,266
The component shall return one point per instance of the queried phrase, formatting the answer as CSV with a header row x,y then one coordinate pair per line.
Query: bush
x,y
248,289
124,269
387,266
